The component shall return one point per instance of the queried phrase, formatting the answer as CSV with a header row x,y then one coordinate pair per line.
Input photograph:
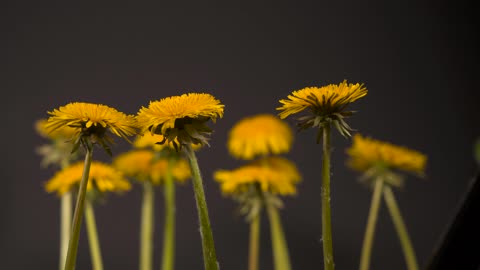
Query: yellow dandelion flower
x,y
62,133
275,175
92,120
143,166
154,141
366,153
181,117
327,104
102,176
259,135
180,171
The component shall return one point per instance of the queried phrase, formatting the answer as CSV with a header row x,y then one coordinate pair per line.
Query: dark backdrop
x,y
417,58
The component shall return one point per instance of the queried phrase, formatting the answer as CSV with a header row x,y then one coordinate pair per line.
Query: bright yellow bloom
x,y
62,133
92,119
262,134
324,100
366,153
275,175
181,117
142,165
148,140
102,176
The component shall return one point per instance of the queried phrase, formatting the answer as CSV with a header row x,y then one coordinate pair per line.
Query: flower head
x,y
154,141
274,175
259,135
58,151
62,133
144,166
92,120
327,104
366,153
102,178
181,117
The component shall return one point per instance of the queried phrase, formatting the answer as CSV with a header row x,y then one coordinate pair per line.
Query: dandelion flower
x,y
62,133
275,175
378,162
181,117
327,104
143,166
103,178
259,135
366,153
92,120
154,141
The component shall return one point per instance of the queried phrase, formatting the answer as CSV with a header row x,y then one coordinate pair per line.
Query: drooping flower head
x,y
102,178
182,118
327,105
144,166
259,135
366,154
275,175
92,121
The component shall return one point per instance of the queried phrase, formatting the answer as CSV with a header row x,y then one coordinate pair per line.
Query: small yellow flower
x,y
102,176
327,104
92,120
181,117
62,133
366,153
259,135
143,166
153,141
275,175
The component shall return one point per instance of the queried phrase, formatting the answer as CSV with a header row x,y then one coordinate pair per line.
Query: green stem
x,y
209,255
146,227
401,228
370,231
279,244
326,215
254,243
65,225
168,258
78,215
95,253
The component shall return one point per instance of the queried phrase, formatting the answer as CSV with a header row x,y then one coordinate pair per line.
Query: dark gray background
x,y
417,58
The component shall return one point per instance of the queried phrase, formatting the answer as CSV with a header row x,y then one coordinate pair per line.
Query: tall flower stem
x,y
146,227
279,244
65,225
370,231
209,255
254,249
79,208
168,258
326,216
95,253
401,228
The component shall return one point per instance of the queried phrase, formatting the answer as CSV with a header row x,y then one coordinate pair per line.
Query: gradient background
x,y
418,59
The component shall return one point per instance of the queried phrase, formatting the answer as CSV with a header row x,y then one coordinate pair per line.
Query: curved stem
x,y
78,215
168,258
65,225
95,253
401,228
254,249
279,244
370,230
326,215
146,227
208,246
